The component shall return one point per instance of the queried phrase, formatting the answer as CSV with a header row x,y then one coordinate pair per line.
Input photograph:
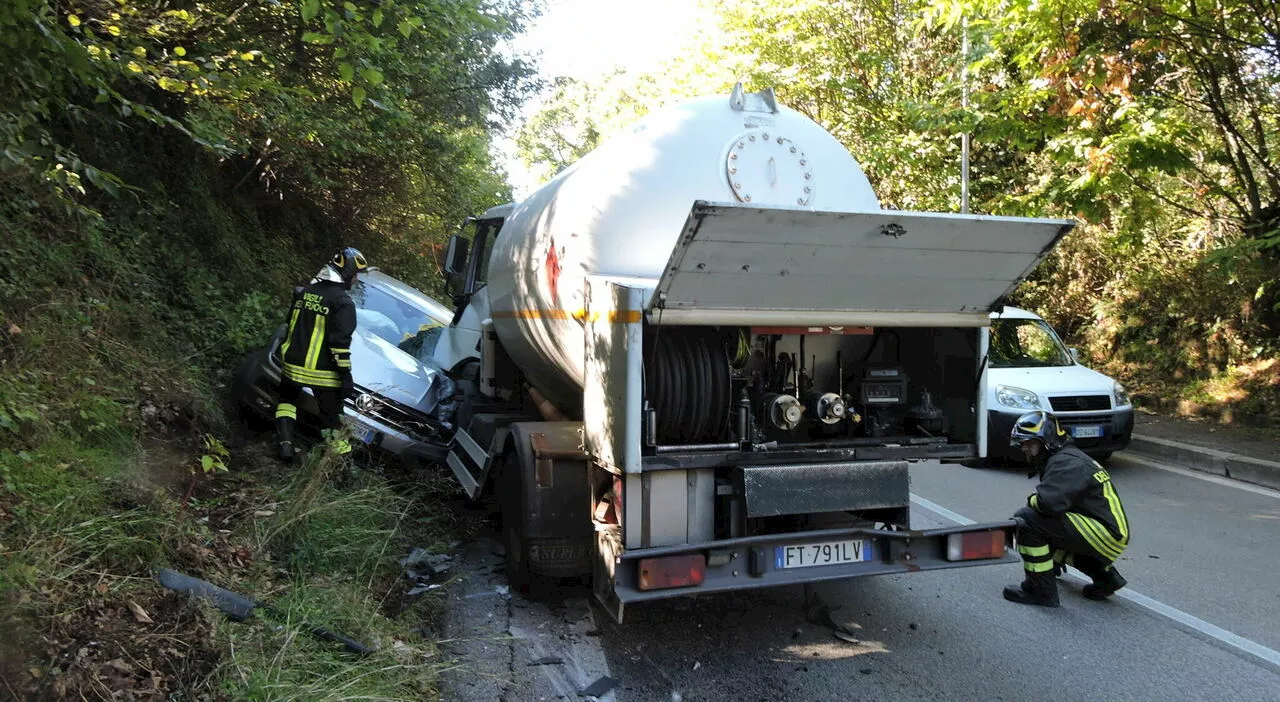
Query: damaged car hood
x,y
379,366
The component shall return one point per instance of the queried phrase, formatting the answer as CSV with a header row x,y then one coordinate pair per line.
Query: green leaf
x,y
372,75
346,71
350,6
310,9
206,462
317,38
377,17
357,95
404,28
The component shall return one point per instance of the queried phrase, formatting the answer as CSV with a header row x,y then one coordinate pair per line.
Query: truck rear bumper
x,y
760,561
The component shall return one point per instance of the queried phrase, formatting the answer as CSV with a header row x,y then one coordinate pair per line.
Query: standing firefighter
x,y
1073,518
317,349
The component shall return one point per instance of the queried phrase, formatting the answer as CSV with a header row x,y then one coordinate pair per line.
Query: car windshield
x,y
388,316
1025,343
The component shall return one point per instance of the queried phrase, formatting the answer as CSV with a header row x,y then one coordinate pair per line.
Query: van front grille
x,y
1080,403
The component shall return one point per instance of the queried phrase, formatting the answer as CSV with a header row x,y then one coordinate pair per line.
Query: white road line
x,y
1207,477
1236,641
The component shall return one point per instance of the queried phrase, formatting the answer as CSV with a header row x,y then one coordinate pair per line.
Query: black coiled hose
x,y
688,384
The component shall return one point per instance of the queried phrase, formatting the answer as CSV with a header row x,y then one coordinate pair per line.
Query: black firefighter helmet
x,y
1039,425
348,262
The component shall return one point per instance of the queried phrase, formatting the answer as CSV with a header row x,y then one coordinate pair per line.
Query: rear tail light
x,y
975,545
672,571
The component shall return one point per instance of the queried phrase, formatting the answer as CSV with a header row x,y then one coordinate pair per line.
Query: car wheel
x,y
243,390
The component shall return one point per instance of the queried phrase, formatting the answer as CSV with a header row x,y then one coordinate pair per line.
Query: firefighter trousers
x,y
1046,542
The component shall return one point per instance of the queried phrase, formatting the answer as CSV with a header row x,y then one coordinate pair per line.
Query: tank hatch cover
x,y
767,168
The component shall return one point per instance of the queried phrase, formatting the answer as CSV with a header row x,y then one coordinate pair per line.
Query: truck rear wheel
x,y
508,487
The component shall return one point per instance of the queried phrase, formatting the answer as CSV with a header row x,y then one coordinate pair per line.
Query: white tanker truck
x,y
701,358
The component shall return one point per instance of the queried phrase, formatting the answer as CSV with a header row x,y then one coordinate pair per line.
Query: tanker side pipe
x,y
549,412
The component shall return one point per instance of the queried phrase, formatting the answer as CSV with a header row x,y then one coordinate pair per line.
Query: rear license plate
x,y
1089,432
828,553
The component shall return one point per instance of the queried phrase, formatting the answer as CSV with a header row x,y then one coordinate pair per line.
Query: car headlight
x,y
1018,398
1121,396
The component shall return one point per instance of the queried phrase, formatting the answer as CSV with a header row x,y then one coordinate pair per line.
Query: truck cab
x,y
1029,368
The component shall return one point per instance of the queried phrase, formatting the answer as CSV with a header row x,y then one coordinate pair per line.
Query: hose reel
x,y
687,383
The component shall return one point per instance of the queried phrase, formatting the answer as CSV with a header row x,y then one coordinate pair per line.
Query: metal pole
x,y
964,106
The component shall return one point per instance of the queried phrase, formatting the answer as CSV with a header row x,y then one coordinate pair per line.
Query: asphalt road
x,y
1200,619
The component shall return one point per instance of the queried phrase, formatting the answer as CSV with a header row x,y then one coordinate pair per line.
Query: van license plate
x,y
828,553
1090,432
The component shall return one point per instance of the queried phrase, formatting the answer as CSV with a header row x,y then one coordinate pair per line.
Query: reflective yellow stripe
x,y
317,341
581,315
1117,510
1035,501
286,411
1034,551
340,446
1033,567
1110,546
1085,532
300,372
288,337
324,379
1090,531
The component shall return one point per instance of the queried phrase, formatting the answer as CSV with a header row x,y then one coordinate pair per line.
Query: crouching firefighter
x,y
316,352
1073,518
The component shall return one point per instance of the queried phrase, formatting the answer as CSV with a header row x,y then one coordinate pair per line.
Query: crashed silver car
x,y
404,402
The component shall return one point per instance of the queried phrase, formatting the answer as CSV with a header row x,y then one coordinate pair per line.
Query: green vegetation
x,y
1153,123
169,170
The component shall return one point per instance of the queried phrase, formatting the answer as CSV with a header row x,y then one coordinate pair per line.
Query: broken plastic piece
x,y
600,687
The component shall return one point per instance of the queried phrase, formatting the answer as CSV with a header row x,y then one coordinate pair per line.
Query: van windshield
x,y
1026,343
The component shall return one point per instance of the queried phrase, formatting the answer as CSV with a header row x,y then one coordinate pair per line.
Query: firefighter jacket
x,y
317,348
1074,485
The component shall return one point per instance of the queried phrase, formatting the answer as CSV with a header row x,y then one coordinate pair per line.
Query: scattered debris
x,y
139,613
502,590
866,671
696,665
600,687
913,626
239,607
845,636
425,570
547,660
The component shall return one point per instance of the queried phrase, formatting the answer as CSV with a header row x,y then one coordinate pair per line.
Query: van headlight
x,y
1121,396
1017,398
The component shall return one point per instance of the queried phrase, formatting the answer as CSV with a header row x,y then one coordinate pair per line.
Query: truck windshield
x,y
1025,343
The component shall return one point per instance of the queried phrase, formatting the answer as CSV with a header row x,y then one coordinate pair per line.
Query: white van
x,y
1029,368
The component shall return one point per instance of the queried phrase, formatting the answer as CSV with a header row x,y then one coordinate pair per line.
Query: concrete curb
x,y
1258,471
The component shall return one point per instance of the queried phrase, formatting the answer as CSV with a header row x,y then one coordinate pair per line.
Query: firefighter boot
x,y
1037,589
1106,579
284,432
1104,584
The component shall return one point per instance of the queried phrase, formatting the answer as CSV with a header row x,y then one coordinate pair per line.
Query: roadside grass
x,y
117,335
319,543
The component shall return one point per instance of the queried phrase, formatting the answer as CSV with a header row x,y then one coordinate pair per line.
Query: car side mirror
x,y
1075,354
455,257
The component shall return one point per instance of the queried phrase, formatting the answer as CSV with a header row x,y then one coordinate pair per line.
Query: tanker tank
x,y
620,210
